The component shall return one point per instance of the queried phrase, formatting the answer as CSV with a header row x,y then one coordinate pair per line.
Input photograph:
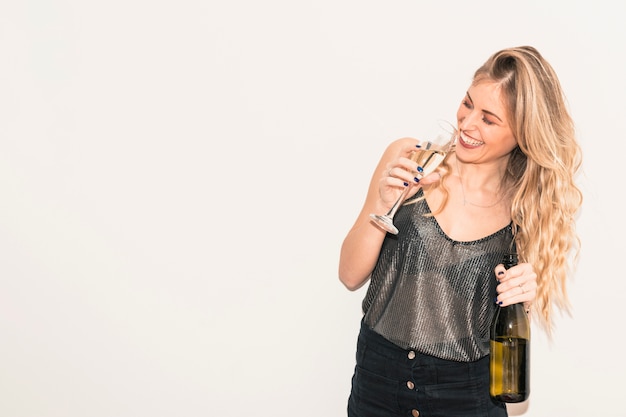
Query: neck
x,y
481,186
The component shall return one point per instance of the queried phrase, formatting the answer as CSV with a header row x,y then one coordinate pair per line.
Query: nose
x,y
468,120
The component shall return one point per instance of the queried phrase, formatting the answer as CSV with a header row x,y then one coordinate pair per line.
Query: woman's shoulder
x,y
397,145
405,141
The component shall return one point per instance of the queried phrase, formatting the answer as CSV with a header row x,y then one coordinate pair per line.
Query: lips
x,y
469,142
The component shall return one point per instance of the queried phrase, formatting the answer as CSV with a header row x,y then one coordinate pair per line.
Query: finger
x,y
514,296
516,291
405,170
508,274
431,178
500,272
522,284
390,186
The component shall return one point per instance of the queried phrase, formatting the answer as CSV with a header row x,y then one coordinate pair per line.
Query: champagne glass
x,y
428,157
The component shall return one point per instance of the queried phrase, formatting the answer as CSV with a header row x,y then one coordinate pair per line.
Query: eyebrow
x,y
485,111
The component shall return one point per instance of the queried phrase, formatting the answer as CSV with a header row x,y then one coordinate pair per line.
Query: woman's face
x,y
485,133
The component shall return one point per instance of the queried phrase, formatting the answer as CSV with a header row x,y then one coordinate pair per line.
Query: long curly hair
x,y
541,172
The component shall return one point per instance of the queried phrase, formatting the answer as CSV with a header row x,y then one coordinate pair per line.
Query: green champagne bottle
x,y
509,362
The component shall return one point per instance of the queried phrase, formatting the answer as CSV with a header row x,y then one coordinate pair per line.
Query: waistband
x,y
385,347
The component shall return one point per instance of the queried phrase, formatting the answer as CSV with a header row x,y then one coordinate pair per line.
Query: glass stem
x,y
396,205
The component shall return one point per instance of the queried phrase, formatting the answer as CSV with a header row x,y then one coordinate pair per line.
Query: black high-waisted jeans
x,y
389,381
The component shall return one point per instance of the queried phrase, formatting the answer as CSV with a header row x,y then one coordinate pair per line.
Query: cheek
x,y
512,142
508,144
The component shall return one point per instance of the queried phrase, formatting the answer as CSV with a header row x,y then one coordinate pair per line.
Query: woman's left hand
x,y
517,284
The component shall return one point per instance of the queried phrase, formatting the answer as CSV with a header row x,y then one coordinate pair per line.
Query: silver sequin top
x,y
433,294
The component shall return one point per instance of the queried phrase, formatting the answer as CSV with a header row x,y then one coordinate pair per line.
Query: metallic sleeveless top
x,y
432,294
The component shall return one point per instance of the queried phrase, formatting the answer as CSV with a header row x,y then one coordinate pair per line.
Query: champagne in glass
x,y
428,158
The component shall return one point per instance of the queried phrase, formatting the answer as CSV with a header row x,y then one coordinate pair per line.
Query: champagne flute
x,y
428,157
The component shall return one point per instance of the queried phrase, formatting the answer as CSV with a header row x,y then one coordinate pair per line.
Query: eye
x,y
467,103
487,121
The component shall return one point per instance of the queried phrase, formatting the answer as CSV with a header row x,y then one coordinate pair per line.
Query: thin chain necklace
x,y
465,200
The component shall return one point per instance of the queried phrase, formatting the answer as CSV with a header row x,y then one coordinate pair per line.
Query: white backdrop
x,y
177,178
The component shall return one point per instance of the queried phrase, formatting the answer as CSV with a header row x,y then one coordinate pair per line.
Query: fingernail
x,y
406,184
500,273
416,179
500,303
418,146
420,169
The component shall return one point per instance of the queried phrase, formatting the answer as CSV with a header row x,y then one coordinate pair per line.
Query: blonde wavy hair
x,y
541,172
540,176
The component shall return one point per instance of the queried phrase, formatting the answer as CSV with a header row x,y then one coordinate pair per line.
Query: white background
x,y
176,179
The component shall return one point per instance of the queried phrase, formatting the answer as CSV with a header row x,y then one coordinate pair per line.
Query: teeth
x,y
470,142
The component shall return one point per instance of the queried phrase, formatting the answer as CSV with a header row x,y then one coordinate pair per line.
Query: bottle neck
x,y
509,260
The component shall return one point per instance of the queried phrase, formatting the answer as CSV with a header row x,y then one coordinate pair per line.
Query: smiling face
x,y
485,133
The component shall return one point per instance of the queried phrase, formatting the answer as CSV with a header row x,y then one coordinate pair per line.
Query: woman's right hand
x,y
361,247
400,173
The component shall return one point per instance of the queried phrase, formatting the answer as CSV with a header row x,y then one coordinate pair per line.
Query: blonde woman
x,y
423,346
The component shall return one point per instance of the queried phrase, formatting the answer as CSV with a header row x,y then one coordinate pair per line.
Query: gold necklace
x,y
465,200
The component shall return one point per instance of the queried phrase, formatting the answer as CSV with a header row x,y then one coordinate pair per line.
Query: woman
x,y
424,340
